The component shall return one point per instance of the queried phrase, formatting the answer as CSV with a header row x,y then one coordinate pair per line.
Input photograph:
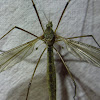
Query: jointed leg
x,y
62,14
37,15
67,70
19,29
33,74
86,36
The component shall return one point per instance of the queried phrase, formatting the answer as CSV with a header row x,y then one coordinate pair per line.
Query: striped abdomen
x,y
51,74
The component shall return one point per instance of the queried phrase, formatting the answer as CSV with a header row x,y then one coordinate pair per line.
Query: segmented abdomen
x,y
51,74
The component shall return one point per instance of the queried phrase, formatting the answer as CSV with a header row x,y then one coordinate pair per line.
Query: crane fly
x,y
80,50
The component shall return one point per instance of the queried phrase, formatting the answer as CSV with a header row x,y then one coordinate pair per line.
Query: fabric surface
x,y
82,17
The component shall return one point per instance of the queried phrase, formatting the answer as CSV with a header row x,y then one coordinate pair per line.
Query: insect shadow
x,y
71,45
39,85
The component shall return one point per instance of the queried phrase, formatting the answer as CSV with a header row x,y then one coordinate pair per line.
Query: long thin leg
x,y
37,15
86,36
19,29
33,74
67,70
62,14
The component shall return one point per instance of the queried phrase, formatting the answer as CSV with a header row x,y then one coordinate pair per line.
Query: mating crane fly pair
x,y
81,50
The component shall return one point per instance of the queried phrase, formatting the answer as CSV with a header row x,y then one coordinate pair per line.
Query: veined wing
x,y
83,51
15,55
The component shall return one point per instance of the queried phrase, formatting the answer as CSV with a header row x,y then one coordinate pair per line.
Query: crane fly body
x,y
80,50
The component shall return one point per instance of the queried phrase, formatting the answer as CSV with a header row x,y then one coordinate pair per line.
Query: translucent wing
x,y
83,51
15,55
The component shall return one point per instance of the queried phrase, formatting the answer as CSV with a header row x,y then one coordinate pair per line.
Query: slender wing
x,y
15,55
83,51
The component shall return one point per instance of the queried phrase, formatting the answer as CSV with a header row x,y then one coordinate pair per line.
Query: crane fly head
x,y
49,25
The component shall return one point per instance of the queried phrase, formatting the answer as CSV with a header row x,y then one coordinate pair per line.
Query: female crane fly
x,y
81,50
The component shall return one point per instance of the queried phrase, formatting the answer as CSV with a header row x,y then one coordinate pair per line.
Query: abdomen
x,y
51,74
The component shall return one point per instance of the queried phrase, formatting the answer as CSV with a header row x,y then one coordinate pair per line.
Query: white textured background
x,y
81,18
